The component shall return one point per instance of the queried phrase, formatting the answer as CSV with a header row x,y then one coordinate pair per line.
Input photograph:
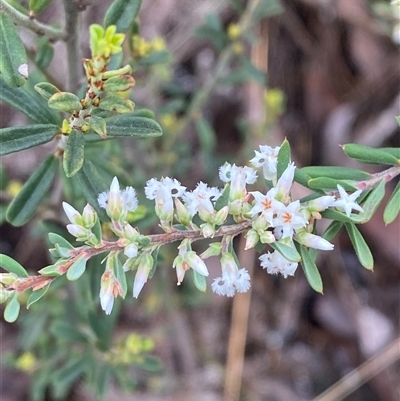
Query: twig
x,y
362,374
35,26
73,48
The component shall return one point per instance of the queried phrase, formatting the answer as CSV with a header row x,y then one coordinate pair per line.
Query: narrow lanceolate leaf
x,y
74,153
92,185
77,268
131,126
36,295
287,251
301,177
11,311
223,200
12,266
331,183
392,208
46,90
56,239
20,100
338,216
119,84
38,5
122,13
365,154
199,281
283,158
117,104
310,270
65,101
207,137
44,56
339,173
13,60
360,246
393,151
35,189
14,139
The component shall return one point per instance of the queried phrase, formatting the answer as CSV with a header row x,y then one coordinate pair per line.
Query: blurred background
x,y
318,72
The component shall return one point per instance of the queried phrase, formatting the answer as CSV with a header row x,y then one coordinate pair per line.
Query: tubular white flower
x,y
110,287
267,158
267,205
129,199
199,200
347,202
145,265
78,231
196,263
320,204
289,218
313,241
285,182
73,215
275,263
238,177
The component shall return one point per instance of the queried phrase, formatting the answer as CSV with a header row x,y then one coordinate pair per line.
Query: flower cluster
x,y
271,217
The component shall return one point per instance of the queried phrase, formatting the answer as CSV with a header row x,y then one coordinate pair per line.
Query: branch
x,y
39,281
35,26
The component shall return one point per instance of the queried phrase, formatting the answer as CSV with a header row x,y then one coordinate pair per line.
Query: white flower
x,y
238,177
233,279
163,191
313,241
320,204
118,202
288,219
347,202
267,205
200,199
145,265
285,182
275,263
110,287
73,215
267,158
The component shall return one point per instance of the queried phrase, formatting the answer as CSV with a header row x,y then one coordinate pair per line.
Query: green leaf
x,y
12,266
56,239
122,13
392,208
393,151
92,185
128,125
398,120
74,153
15,139
116,103
287,251
51,270
20,100
36,295
283,158
267,9
301,177
46,90
11,311
119,83
331,183
310,269
65,101
35,189
121,277
365,154
77,268
339,173
360,246
223,200
13,60
98,125
335,215
199,281
44,55
151,364
38,5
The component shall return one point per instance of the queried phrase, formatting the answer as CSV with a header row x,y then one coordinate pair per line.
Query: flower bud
x,y
78,231
130,233
207,230
267,237
213,249
145,265
73,215
131,250
182,213
181,267
196,263
235,207
221,216
313,241
260,223
252,239
89,216
114,206
7,278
